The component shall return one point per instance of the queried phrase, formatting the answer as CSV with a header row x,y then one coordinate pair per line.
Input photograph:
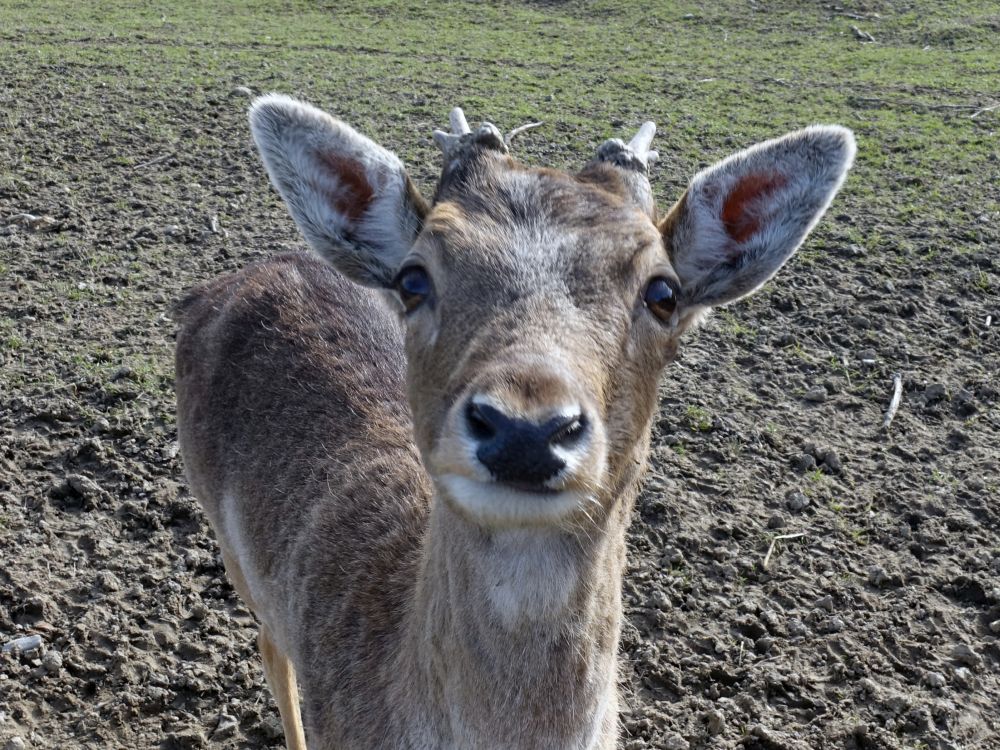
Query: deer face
x,y
541,307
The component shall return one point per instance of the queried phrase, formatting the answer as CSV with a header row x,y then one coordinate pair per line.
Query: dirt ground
x,y
875,624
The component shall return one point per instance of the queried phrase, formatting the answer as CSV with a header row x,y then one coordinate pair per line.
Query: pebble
x,y
832,461
825,602
715,721
964,677
835,625
935,680
877,575
662,602
241,91
934,392
776,521
226,728
108,581
796,500
816,394
15,743
804,462
52,661
995,627
675,742
966,655
797,628
83,486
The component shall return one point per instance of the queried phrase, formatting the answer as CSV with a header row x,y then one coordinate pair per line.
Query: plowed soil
x,y
128,176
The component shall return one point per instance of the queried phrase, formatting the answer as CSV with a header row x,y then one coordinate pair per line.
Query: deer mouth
x,y
506,504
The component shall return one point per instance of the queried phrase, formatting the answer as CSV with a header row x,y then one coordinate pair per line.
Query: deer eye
x,y
413,285
660,298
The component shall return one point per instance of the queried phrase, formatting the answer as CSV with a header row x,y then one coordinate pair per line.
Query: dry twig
x,y
976,114
897,397
774,542
151,162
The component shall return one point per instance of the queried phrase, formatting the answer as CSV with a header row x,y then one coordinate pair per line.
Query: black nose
x,y
520,452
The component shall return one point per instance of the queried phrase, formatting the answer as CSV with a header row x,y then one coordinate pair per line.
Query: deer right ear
x,y
741,219
351,199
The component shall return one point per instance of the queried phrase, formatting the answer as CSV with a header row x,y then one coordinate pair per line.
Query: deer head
x,y
540,307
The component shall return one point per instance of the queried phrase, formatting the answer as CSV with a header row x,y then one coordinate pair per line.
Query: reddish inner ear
x,y
738,214
355,191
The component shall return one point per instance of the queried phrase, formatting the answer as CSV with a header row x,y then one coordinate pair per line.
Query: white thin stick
x,y
897,397
774,542
151,162
520,129
984,109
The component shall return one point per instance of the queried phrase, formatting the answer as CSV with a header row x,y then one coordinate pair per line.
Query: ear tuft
x,y
351,198
741,219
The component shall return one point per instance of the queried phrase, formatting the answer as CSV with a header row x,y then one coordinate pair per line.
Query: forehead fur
x,y
503,212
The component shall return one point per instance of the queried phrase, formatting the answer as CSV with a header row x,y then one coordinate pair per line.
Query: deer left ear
x,y
741,219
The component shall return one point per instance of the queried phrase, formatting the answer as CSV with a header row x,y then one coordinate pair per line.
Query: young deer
x,y
420,466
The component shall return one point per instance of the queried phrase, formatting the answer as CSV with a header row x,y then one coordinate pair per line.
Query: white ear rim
x,y
290,134
815,160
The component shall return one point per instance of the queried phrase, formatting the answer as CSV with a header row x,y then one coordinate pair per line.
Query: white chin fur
x,y
492,502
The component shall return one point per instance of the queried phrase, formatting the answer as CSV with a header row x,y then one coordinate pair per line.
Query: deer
x,y
420,444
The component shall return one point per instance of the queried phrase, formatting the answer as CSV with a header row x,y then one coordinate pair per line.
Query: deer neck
x,y
514,636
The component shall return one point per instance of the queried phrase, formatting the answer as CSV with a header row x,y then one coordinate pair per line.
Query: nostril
x,y
478,419
568,432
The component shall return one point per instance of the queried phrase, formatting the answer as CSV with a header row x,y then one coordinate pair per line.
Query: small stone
x,y
662,602
965,654
825,602
835,625
832,461
995,627
867,356
675,742
83,486
920,719
797,628
935,680
803,463
934,392
52,661
796,500
241,91
815,395
15,743
776,521
108,581
764,645
172,230
868,685
715,721
877,575
964,677
199,612
226,728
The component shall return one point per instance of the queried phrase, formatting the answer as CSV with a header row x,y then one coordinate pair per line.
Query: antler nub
x,y
452,143
634,155
459,125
